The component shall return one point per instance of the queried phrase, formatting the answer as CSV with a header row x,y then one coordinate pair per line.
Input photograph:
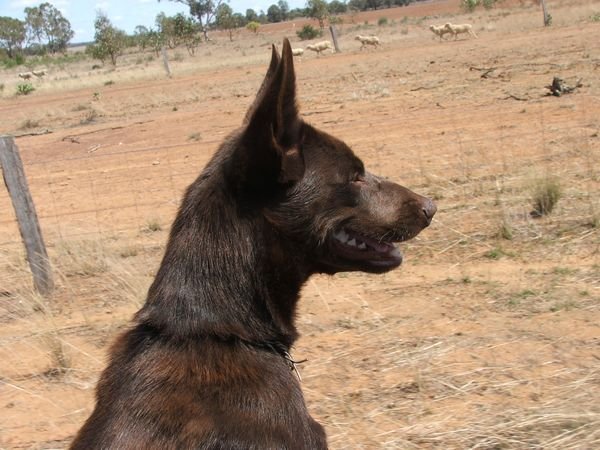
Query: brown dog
x,y
205,364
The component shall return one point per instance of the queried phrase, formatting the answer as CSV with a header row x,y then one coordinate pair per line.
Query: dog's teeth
x,y
341,236
352,242
362,246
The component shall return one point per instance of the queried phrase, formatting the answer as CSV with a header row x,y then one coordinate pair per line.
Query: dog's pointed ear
x,y
273,131
268,76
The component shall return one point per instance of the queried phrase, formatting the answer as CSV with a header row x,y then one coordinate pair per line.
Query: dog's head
x,y
314,191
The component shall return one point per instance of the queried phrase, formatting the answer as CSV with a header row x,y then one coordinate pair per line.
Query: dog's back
x,y
206,363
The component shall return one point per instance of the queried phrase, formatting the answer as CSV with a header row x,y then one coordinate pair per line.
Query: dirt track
x,y
476,340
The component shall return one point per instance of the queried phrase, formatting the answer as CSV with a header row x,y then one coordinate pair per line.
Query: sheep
x,y
26,75
297,51
440,30
39,73
320,46
367,40
459,29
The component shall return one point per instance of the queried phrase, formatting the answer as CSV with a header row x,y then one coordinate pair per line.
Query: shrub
x,y
25,88
383,21
253,26
469,5
336,20
89,117
506,230
30,123
546,194
308,32
595,17
153,225
18,60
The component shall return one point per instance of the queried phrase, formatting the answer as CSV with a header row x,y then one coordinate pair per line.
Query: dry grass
x,y
545,196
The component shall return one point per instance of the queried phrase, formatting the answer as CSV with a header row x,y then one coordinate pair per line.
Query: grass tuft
x,y
545,196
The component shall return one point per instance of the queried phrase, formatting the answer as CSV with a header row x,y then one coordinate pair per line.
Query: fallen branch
x,y
73,137
310,113
559,87
514,97
486,70
423,87
34,133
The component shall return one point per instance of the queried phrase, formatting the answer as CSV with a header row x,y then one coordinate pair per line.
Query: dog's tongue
x,y
382,247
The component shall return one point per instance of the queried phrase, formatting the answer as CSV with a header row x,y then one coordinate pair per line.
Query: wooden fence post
x,y
166,61
547,16
334,38
16,183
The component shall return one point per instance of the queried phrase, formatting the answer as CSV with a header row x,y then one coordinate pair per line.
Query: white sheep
x,y
297,51
26,75
439,30
320,46
39,73
459,29
367,40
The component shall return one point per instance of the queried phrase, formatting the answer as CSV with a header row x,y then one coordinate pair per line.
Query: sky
x,y
124,14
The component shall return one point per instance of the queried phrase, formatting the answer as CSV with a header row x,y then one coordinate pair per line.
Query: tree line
x,y
45,30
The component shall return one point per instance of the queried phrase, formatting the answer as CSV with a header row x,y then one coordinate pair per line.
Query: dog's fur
x,y
205,363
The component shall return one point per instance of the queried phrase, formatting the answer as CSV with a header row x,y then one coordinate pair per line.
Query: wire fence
x,y
104,187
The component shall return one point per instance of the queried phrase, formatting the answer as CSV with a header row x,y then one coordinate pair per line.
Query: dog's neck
x,y
225,273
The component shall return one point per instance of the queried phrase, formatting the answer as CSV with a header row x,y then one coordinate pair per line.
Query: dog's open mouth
x,y
353,246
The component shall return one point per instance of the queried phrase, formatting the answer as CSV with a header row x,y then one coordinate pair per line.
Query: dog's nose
x,y
429,210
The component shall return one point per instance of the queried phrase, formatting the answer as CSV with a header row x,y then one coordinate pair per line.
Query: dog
x,y
205,363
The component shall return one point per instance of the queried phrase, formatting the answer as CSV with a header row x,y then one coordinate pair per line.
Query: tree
x,y
297,12
226,20
374,4
156,41
337,7
240,19
357,5
45,23
186,31
141,35
274,14
251,15
284,8
317,9
109,41
12,35
166,26
203,10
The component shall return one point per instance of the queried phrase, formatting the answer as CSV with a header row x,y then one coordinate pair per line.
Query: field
x,y
487,337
